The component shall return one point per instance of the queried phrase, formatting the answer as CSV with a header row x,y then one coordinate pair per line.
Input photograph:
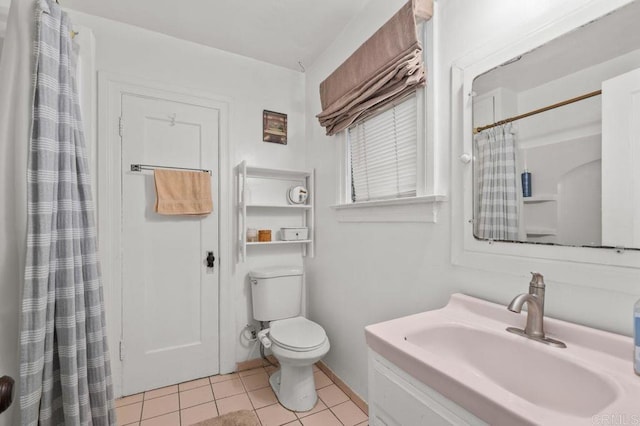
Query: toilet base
x,y
295,388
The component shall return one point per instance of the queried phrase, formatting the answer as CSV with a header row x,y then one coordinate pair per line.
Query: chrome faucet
x,y
536,288
535,312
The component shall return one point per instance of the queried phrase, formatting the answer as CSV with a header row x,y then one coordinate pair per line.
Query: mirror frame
x,y
517,258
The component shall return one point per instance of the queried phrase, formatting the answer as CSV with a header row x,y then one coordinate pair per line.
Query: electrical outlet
x,y
252,330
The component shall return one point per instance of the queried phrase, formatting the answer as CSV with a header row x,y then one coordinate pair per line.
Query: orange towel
x,y
183,193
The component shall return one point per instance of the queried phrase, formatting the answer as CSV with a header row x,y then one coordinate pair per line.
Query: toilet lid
x,y
297,334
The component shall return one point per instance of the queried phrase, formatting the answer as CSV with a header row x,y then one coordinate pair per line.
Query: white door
x,y
169,294
620,157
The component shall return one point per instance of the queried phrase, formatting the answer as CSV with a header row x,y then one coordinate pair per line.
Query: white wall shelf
x,y
281,174
278,206
543,198
304,177
541,232
266,243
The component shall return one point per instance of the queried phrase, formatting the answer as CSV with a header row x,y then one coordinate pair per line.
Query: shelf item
x,y
304,178
294,234
264,235
543,198
297,195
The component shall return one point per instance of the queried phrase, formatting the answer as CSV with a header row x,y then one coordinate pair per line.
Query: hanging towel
x,y
183,193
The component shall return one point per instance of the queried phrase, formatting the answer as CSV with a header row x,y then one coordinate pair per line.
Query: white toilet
x,y
296,342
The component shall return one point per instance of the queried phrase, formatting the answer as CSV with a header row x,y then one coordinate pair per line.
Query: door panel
x,y
170,297
620,156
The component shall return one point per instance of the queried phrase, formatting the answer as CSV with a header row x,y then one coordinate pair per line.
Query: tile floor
x,y
191,402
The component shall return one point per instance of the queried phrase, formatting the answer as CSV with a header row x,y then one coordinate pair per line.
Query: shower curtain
x,y
65,374
497,185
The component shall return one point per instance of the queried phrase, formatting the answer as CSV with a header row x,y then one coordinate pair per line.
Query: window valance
x,y
385,68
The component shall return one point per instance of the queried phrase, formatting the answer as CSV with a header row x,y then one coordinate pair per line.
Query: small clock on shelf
x,y
297,195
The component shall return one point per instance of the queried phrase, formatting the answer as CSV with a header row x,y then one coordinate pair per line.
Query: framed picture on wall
x,y
274,127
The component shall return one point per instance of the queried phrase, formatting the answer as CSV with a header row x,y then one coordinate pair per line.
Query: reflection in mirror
x,y
557,140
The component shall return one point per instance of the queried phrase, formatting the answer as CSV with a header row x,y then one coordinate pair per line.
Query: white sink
x,y
464,352
540,377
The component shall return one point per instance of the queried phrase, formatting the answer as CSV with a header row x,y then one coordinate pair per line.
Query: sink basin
x,y
539,377
463,352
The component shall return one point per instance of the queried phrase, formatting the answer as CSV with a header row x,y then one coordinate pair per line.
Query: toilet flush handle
x,y
262,336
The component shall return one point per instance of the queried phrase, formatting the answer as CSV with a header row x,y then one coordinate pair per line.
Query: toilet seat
x,y
297,334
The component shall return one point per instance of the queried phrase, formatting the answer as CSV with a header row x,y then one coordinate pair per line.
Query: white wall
x,y
250,85
366,273
362,273
15,113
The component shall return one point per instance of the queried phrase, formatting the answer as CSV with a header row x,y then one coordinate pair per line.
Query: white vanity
x,y
396,398
459,366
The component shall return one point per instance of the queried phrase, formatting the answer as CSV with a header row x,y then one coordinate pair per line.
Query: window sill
x,y
413,209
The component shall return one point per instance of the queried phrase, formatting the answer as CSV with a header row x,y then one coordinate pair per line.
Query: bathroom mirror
x,y
556,146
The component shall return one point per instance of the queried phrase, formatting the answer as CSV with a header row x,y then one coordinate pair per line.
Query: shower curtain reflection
x,y
497,212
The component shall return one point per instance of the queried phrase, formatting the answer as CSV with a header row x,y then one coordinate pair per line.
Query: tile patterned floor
x,y
191,402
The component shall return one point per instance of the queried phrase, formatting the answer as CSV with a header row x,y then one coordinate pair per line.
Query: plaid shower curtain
x,y
497,185
65,376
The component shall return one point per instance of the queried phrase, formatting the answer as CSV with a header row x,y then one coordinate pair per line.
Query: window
x,y
388,163
383,154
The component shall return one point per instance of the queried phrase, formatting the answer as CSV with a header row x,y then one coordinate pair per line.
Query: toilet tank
x,y
276,292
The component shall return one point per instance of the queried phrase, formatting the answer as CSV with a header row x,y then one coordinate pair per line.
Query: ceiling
x,y
281,32
601,40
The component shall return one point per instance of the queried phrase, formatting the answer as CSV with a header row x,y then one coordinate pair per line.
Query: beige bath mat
x,y
236,418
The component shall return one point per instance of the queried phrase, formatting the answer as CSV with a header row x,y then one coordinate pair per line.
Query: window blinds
x,y
383,151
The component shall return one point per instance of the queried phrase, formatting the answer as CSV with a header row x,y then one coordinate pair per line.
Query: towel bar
x,y
140,167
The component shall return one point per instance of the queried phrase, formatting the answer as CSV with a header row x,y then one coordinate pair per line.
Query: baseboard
x,y
361,403
255,363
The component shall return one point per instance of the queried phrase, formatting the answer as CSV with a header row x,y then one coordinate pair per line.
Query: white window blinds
x,y
383,152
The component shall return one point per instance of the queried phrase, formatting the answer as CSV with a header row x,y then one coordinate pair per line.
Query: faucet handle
x,y
537,280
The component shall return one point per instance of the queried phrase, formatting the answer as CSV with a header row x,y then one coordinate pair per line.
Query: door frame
x,y
111,87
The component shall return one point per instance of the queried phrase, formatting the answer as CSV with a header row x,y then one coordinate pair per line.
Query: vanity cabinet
x,y
263,205
395,398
